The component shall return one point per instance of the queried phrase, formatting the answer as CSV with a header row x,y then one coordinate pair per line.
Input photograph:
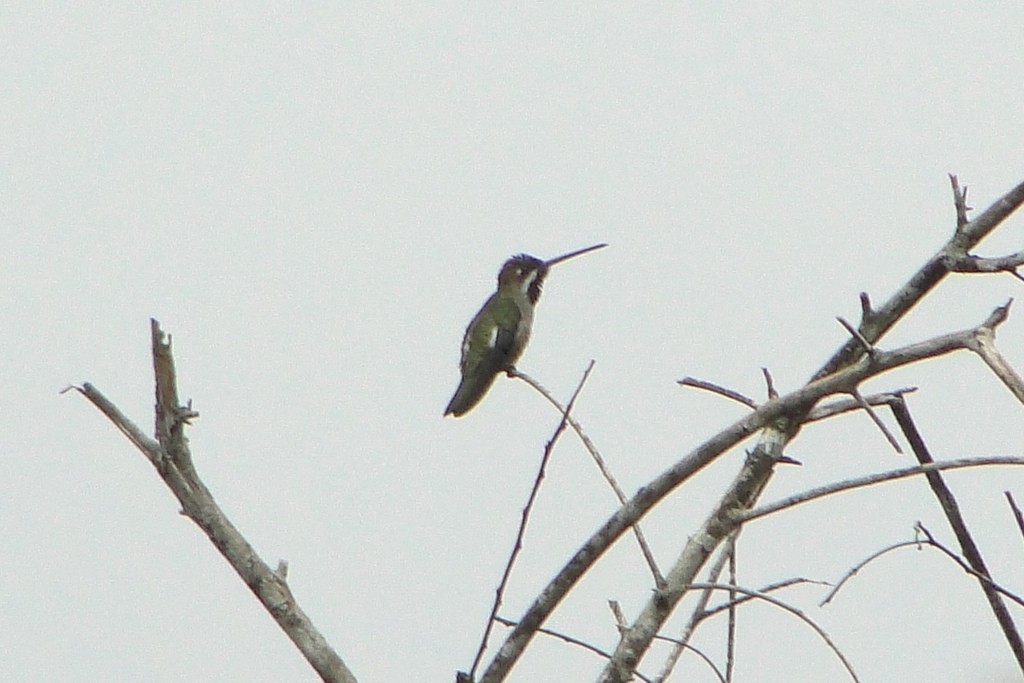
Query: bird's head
x,y
526,273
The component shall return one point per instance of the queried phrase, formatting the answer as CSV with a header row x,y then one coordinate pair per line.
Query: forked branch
x,y
842,373
171,457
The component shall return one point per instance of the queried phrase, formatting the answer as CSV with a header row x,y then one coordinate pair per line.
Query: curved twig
x,y
499,593
863,563
717,389
572,641
870,480
797,612
641,540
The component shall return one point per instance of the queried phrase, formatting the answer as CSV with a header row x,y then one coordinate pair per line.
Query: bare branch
x,y
959,525
769,383
984,578
925,279
786,410
499,593
844,370
717,389
746,487
173,461
171,417
959,202
871,480
641,540
863,563
792,610
877,420
724,556
845,405
568,639
1016,511
984,344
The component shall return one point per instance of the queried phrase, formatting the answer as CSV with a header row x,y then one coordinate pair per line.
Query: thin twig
x,y
855,333
769,383
681,643
959,525
641,540
730,648
1016,511
865,307
871,480
717,389
860,565
571,640
524,520
147,445
700,653
877,420
778,585
797,612
845,405
620,618
971,264
927,541
984,578
617,611
959,201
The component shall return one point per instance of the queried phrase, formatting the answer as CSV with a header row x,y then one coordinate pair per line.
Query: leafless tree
x,y
832,390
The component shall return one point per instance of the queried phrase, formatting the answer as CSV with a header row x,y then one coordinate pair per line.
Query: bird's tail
x,y
469,393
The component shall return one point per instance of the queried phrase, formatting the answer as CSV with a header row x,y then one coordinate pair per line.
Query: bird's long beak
x,y
571,254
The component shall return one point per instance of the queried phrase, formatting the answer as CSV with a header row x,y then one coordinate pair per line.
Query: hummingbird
x,y
498,333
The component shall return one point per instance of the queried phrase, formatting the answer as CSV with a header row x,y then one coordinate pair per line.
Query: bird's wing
x,y
491,345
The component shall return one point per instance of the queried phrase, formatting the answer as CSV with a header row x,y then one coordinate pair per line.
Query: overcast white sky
x,y
315,202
